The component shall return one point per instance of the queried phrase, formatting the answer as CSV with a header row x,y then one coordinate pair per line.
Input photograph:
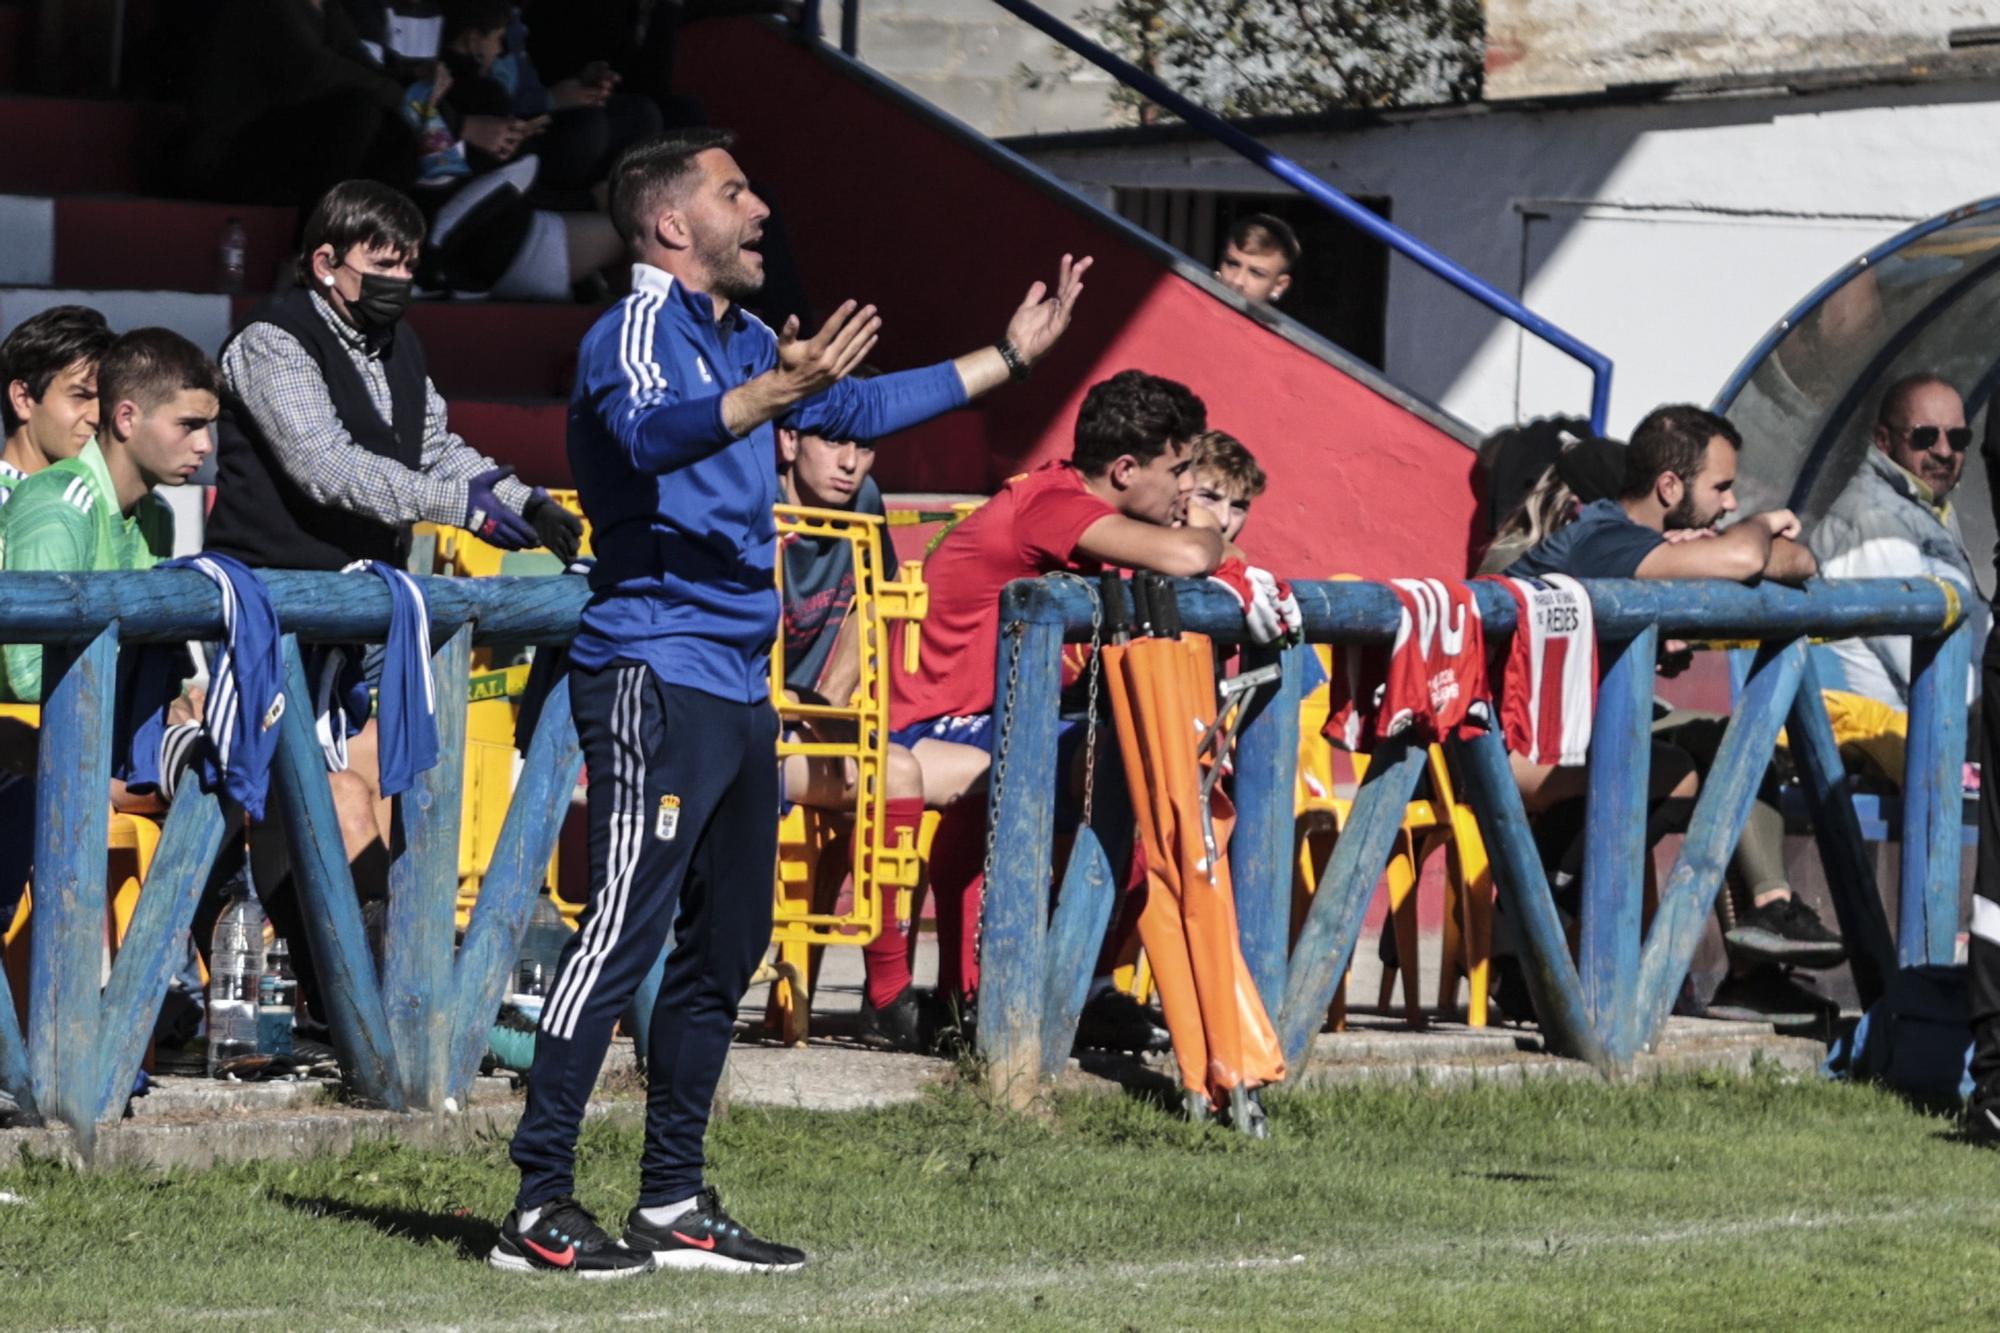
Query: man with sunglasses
x,y
1895,521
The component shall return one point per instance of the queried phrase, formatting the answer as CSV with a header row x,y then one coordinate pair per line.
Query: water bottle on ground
x,y
233,257
235,968
277,996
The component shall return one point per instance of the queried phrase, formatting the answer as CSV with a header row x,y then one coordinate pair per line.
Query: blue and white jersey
x,y
681,509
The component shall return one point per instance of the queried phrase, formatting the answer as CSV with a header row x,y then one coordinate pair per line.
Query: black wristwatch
x,y
1017,369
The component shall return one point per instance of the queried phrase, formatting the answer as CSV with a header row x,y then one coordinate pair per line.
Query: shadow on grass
x,y
470,1235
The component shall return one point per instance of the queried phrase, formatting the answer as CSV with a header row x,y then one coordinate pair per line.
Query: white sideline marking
x,y
837,1309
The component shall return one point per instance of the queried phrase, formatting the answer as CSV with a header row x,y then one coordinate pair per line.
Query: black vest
x,y
261,515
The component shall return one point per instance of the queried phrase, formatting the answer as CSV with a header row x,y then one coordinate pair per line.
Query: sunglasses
x,y
1926,437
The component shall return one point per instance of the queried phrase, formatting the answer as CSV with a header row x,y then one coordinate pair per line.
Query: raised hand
x,y
1044,314
809,366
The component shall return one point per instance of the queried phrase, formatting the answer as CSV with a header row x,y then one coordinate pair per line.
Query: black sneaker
x,y
904,1024
1770,995
1982,1122
564,1239
1114,1021
1785,930
707,1237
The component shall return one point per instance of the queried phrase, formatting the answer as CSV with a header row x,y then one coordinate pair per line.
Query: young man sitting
x,y
1226,481
48,366
822,661
1679,484
1113,503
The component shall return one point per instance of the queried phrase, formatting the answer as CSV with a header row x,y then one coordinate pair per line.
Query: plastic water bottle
x,y
233,254
277,997
235,968
531,989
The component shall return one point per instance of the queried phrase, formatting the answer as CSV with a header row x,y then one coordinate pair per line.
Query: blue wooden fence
x,y
1607,1003
410,1035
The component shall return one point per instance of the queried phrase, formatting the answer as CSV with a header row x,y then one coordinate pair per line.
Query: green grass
x,y
1691,1203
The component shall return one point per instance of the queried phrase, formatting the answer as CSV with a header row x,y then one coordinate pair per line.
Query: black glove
x,y
557,528
490,520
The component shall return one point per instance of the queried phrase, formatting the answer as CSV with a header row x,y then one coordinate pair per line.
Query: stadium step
x,y
114,241
71,144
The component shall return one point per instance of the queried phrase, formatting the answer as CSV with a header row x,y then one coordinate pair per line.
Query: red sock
x,y
958,861
888,960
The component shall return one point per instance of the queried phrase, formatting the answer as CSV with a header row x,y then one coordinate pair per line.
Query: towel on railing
x,y
231,748
1430,682
1548,681
406,704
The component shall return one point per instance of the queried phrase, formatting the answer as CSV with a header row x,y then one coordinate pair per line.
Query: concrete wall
x,y
965,56
1536,47
1671,235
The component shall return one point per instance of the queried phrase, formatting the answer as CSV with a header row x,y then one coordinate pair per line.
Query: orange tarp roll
x,y
1163,703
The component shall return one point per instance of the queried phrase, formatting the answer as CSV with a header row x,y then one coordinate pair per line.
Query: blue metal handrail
x,y
1305,182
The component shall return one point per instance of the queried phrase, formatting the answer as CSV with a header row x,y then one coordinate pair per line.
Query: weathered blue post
x,y
72,825
1933,798
154,941
513,878
1614,846
1333,922
1260,855
1720,810
423,893
339,943
1849,867
1021,816
1552,978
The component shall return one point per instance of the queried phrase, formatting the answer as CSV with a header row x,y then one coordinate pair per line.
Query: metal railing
x,y
1610,1001
1322,194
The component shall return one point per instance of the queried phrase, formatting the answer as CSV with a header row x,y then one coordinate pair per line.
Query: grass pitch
x,y
1687,1203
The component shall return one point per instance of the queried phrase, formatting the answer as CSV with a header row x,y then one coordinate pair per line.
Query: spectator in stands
x,y
1114,502
822,662
288,102
475,182
1678,484
1895,521
576,125
1258,258
1227,481
48,367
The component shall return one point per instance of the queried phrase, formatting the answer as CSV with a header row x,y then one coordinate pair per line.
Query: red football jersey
x,y
1548,687
1431,681
1029,529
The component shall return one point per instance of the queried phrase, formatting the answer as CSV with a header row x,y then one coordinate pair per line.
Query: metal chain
x,y
998,781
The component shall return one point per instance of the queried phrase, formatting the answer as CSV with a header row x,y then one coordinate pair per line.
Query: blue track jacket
x,y
681,509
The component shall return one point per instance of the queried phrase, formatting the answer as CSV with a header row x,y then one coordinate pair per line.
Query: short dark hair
x,y
1898,393
149,366
1672,439
42,346
463,16
649,169
1260,234
364,213
1134,413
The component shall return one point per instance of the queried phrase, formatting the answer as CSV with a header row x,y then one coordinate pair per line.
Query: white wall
x,y
965,56
1536,47
1670,236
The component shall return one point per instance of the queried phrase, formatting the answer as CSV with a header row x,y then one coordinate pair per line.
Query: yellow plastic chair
x,y
1430,823
820,850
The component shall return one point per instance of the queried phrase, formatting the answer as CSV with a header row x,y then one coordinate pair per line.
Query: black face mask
x,y
381,303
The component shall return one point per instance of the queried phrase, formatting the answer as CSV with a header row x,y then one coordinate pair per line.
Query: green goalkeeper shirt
x,y
66,518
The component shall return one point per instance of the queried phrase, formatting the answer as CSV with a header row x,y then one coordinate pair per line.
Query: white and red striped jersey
x,y
1548,685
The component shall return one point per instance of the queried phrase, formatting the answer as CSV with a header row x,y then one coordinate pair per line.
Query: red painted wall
x,y
889,207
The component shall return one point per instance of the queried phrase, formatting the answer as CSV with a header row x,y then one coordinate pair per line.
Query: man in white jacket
x,y
1895,520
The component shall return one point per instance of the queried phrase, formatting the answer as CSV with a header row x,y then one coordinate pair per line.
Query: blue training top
x,y
681,509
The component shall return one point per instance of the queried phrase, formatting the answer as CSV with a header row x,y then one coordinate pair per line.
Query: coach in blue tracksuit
x,y
672,447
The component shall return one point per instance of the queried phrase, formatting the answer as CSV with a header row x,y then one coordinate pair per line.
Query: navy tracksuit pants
x,y
683,803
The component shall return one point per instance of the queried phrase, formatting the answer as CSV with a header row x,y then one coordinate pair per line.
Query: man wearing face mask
x,y
333,439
